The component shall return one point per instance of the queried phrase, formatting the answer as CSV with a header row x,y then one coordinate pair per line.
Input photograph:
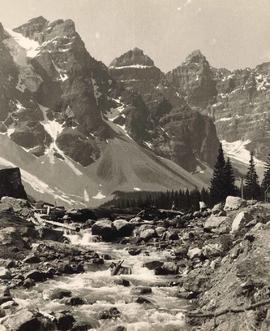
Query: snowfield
x,y
237,150
99,196
31,46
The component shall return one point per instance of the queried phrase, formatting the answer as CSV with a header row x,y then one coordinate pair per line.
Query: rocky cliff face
x,y
11,184
195,80
241,108
56,90
168,122
237,101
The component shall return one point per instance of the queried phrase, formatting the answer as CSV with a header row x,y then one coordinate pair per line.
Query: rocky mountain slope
x,y
158,116
238,102
60,123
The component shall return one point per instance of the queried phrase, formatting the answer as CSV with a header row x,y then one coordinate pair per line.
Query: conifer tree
x,y
217,185
252,188
266,177
229,179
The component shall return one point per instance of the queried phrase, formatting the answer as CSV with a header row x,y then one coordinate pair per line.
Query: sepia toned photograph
x,y
134,165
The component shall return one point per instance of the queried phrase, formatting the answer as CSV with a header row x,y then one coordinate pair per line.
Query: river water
x,y
99,289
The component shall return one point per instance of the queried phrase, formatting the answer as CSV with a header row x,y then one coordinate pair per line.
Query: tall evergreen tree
x,y
266,177
217,185
252,188
229,179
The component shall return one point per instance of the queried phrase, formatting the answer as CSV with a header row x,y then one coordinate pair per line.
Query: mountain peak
x,y
38,20
33,26
134,57
195,57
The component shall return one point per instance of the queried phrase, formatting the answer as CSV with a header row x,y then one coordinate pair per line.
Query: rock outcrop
x,y
157,115
195,80
11,184
236,100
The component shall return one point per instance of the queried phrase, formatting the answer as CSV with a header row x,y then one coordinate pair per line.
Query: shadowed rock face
x,y
158,114
194,79
236,100
10,183
241,108
132,58
59,85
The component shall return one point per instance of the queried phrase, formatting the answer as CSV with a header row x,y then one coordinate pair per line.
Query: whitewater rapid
x,y
99,289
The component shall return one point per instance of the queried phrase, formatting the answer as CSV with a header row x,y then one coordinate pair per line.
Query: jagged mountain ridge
x,y
238,102
55,100
168,122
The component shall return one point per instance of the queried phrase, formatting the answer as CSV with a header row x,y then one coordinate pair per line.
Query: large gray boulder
x,y
123,227
240,221
105,229
213,222
27,320
234,203
146,232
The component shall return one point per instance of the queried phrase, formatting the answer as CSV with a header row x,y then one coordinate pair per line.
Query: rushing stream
x,y
101,292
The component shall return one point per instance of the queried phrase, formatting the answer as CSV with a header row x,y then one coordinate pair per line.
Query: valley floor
x,y
203,271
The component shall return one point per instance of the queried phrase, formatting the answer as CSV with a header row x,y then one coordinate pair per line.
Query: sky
x,y
230,33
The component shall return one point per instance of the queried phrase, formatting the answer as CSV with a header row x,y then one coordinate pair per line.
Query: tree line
x,y
222,184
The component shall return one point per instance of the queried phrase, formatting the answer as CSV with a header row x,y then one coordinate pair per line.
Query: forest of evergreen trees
x,y
222,185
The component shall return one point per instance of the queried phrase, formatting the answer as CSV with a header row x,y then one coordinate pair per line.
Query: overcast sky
x,y
230,33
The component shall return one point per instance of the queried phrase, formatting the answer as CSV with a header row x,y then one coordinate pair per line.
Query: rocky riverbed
x,y
208,270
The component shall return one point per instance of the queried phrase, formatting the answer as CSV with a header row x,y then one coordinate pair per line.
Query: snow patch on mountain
x,y
99,196
54,128
31,46
86,196
137,66
237,150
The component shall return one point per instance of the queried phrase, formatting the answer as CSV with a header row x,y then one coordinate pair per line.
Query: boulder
x,y
4,273
105,229
234,203
143,300
194,252
167,268
134,251
240,221
109,314
58,294
11,184
36,275
217,208
171,235
202,205
16,204
124,228
160,230
214,222
211,250
31,258
25,319
180,252
47,233
141,290
75,301
146,232
151,265
64,321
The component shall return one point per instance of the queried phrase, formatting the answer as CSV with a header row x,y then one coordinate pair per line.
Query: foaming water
x,y
101,291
